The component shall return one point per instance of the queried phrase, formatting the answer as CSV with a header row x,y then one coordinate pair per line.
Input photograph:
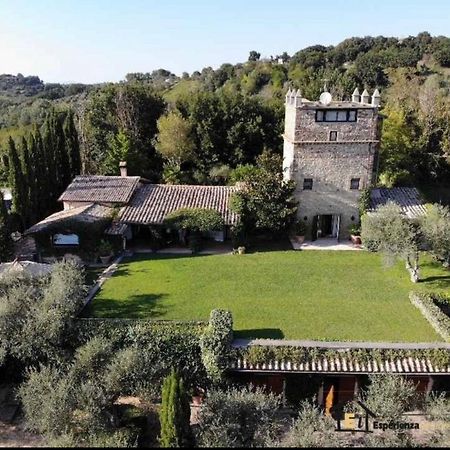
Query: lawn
x,y
281,294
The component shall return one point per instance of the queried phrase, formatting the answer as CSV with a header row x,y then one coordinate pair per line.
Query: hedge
x,y
216,344
430,305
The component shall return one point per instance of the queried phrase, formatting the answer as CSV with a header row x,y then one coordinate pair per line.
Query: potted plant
x,y
355,234
105,250
299,231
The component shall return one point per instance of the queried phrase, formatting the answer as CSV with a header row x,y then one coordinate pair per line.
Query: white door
x,y
336,226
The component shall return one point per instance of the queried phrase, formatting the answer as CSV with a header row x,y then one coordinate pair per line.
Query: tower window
x,y
307,184
333,136
336,115
354,183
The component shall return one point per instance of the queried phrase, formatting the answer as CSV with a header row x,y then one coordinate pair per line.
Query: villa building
x,y
330,151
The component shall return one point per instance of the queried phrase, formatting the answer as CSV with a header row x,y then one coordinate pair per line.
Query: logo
x,y
352,421
360,421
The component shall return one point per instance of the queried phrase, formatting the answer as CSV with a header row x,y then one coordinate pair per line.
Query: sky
x,y
93,41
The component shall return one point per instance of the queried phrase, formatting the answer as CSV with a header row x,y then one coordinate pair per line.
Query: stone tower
x,y
331,152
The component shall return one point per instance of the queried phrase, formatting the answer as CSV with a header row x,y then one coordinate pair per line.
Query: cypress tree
x,y
42,176
63,171
28,181
16,181
49,154
175,413
72,145
6,244
56,158
33,180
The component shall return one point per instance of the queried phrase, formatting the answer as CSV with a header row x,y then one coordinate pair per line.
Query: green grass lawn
x,y
280,294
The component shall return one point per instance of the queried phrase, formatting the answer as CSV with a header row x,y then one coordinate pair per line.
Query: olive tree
x,y
238,418
390,396
436,229
36,314
390,232
312,429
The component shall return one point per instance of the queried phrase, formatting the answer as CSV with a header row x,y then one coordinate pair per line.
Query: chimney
x,y
298,98
356,97
123,169
288,96
376,99
365,97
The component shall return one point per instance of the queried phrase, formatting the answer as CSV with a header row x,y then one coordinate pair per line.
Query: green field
x,y
281,294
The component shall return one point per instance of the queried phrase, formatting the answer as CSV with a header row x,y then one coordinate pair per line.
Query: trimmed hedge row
x,y
431,305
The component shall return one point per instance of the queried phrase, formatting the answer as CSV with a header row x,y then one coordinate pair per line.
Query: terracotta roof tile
x,y
408,199
86,214
100,189
151,203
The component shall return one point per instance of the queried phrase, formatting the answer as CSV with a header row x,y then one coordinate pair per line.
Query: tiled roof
x,y
87,214
408,199
100,189
343,357
152,202
117,229
31,268
344,364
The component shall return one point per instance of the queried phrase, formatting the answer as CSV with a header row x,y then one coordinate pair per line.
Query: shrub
x,y
299,228
389,396
175,414
105,248
437,407
311,429
239,419
47,401
429,304
216,343
364,202
389,439
355,230
195,219
124,438
239,236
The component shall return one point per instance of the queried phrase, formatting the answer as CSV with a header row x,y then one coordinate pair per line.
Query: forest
x,y
200,128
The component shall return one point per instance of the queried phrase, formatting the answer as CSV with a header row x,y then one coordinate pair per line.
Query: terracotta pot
x,y
356,240
105,259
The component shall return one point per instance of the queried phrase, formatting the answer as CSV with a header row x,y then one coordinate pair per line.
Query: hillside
x,y
234,112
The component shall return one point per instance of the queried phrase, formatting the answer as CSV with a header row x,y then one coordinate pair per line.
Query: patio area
x,y
325,244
